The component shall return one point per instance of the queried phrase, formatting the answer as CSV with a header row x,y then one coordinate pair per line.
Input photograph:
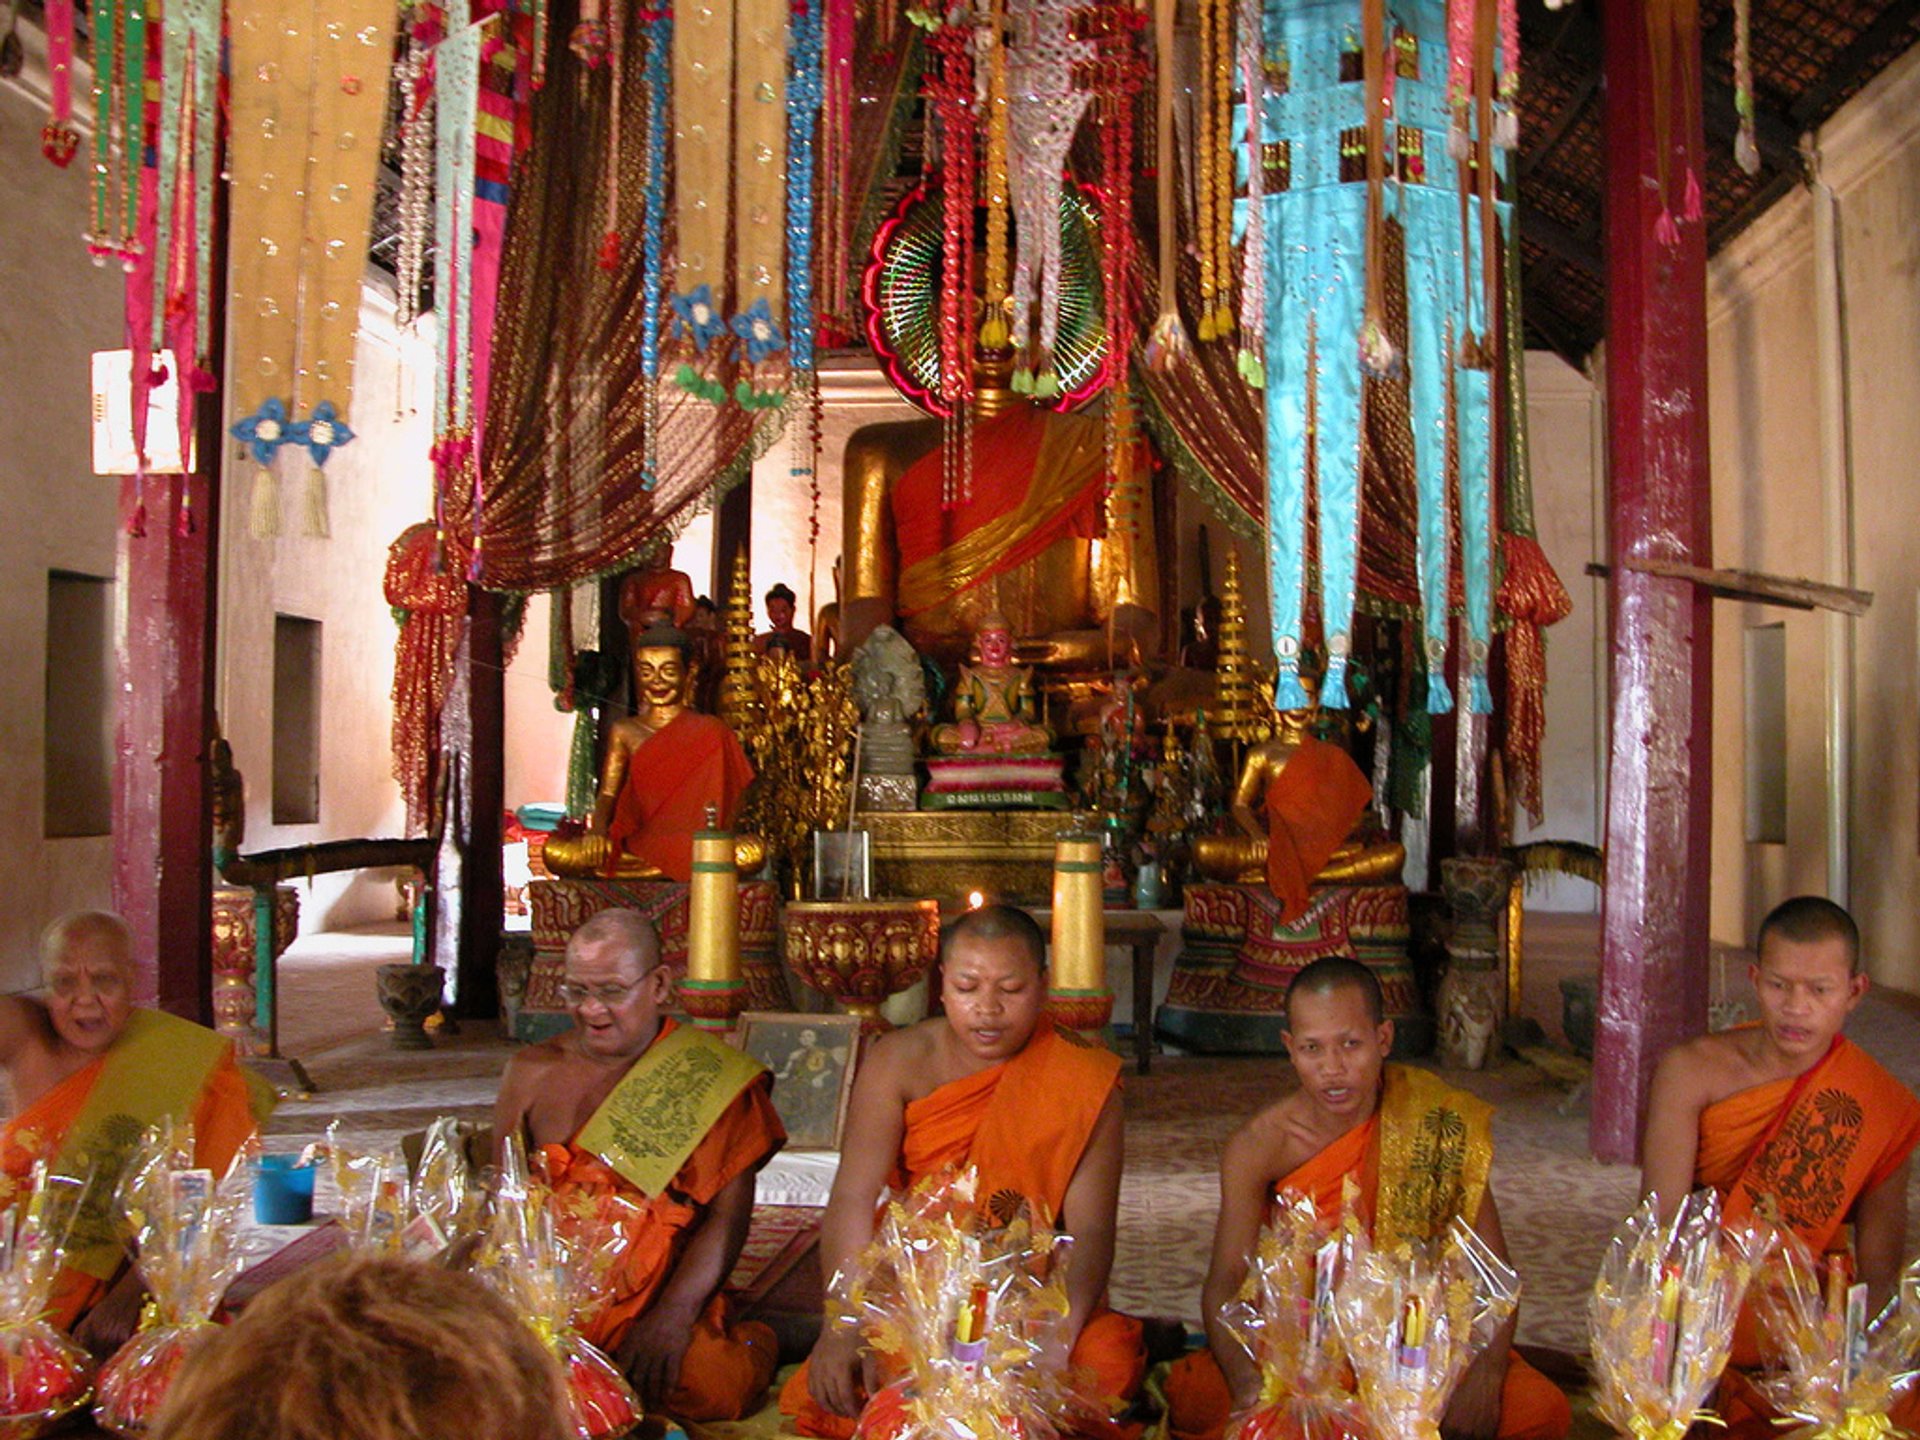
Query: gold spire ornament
x,y
1236,713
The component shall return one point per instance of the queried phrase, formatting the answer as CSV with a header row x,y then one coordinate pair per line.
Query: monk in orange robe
x,y
666,1324
991,1084
1791,1118
91,1072
1354,1118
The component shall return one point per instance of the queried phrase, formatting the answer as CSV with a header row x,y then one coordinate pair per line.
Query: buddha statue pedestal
x,y
560,907
995,782
1229,985
1004,854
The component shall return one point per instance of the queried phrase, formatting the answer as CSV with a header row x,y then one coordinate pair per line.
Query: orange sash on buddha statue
x,y
729,1364
1312,806
1024,1149
691,762
1036,478
1804,1150
1413,1166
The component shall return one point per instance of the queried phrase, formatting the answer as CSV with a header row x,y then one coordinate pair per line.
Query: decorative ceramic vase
x,y
859,952
410,994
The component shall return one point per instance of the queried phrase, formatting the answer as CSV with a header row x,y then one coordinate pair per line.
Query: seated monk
x,y
995,710
1343,1122
961,1089
90,1072
667,766
570,1099
1789,1118
1298,804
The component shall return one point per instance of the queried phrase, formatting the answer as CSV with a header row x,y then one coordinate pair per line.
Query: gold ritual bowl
x,y
859,952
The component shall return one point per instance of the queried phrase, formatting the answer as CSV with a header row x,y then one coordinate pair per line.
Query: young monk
x,y
705,1124
991,1083
90,1072
1352,1113
1790,1118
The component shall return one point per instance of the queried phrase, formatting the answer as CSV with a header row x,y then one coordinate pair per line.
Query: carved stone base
x,y
888,792
1229,986
1007,854
410,994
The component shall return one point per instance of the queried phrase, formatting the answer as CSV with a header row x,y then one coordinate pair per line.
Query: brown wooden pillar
x,y
163,728
732,535
1653,962
470,901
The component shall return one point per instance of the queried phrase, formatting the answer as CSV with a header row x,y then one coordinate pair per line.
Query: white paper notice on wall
x,y
113,452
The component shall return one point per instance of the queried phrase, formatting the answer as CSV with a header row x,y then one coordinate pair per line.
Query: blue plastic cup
x,y
282,1190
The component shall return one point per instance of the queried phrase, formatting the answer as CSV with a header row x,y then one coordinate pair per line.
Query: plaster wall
x,y
1769,516
55,514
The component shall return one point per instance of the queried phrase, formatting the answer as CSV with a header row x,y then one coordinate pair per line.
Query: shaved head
x,y
998,922
1808,920
628,931
1333,973
112,940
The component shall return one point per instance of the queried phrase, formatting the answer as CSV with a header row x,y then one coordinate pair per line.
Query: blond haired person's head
x,y
370,1348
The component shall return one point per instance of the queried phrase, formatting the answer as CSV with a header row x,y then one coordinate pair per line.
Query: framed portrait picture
x,y
812,1058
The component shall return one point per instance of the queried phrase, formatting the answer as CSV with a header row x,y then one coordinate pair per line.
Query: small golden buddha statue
x,y
995,710
1029,541
1310,791
667,768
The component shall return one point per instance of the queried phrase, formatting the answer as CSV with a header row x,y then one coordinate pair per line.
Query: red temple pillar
x,y
163,728
1653,957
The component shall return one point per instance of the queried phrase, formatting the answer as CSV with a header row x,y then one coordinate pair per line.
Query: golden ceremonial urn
x,y
861,951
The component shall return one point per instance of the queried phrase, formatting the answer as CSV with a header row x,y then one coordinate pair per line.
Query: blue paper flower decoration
x,y
322,432
264,431
694,314
755,326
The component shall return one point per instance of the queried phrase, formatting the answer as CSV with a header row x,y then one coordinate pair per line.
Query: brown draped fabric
x,y
564,495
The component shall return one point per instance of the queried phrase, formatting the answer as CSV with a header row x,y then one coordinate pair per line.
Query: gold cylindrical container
x,y
1078,978
713,987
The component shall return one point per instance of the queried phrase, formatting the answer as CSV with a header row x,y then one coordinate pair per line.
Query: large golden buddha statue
x,y
1301,808
1029,541
667,768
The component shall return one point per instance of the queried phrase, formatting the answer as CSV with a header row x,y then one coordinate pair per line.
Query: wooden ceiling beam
x,y
1563,121
1817,103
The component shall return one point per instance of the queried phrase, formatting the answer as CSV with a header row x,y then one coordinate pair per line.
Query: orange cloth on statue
x,y
729,1363
1036,477
1312,806
1532,1407
222,1118
1812,1145
690,763
1021,1151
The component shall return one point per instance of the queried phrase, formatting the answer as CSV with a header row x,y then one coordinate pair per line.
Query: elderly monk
x,y
666,766
1789,1118
1347,1120
588,1105
90,1072
992,1084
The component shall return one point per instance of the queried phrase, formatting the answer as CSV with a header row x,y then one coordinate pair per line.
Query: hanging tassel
x,y
1333,689
265,512
1506,129
317,525
1692,211
183,525
1439,702
1167,343
1665,231
1288,692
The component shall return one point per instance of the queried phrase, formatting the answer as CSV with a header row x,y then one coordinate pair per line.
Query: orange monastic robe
x,y
1312,806
224,1113
1808,1148
691,762
728,1364
1199,1404
1022,1150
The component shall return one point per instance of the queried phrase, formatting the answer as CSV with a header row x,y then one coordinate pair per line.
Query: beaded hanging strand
x,y
1253,266
806,45
1204,163
1223,166
1506,125
1378,354
1746,151
608,258
1167,341
416,181
950,91
836,148
994,331
58,137
659,79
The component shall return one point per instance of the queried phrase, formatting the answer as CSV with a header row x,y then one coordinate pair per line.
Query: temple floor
x,y
1558,1205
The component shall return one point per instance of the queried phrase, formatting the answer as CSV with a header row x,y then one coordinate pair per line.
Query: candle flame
x,y
975,899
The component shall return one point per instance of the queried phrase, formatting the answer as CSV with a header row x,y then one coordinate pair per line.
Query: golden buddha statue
x,y
1029,541
667,769
1301,808
995,709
